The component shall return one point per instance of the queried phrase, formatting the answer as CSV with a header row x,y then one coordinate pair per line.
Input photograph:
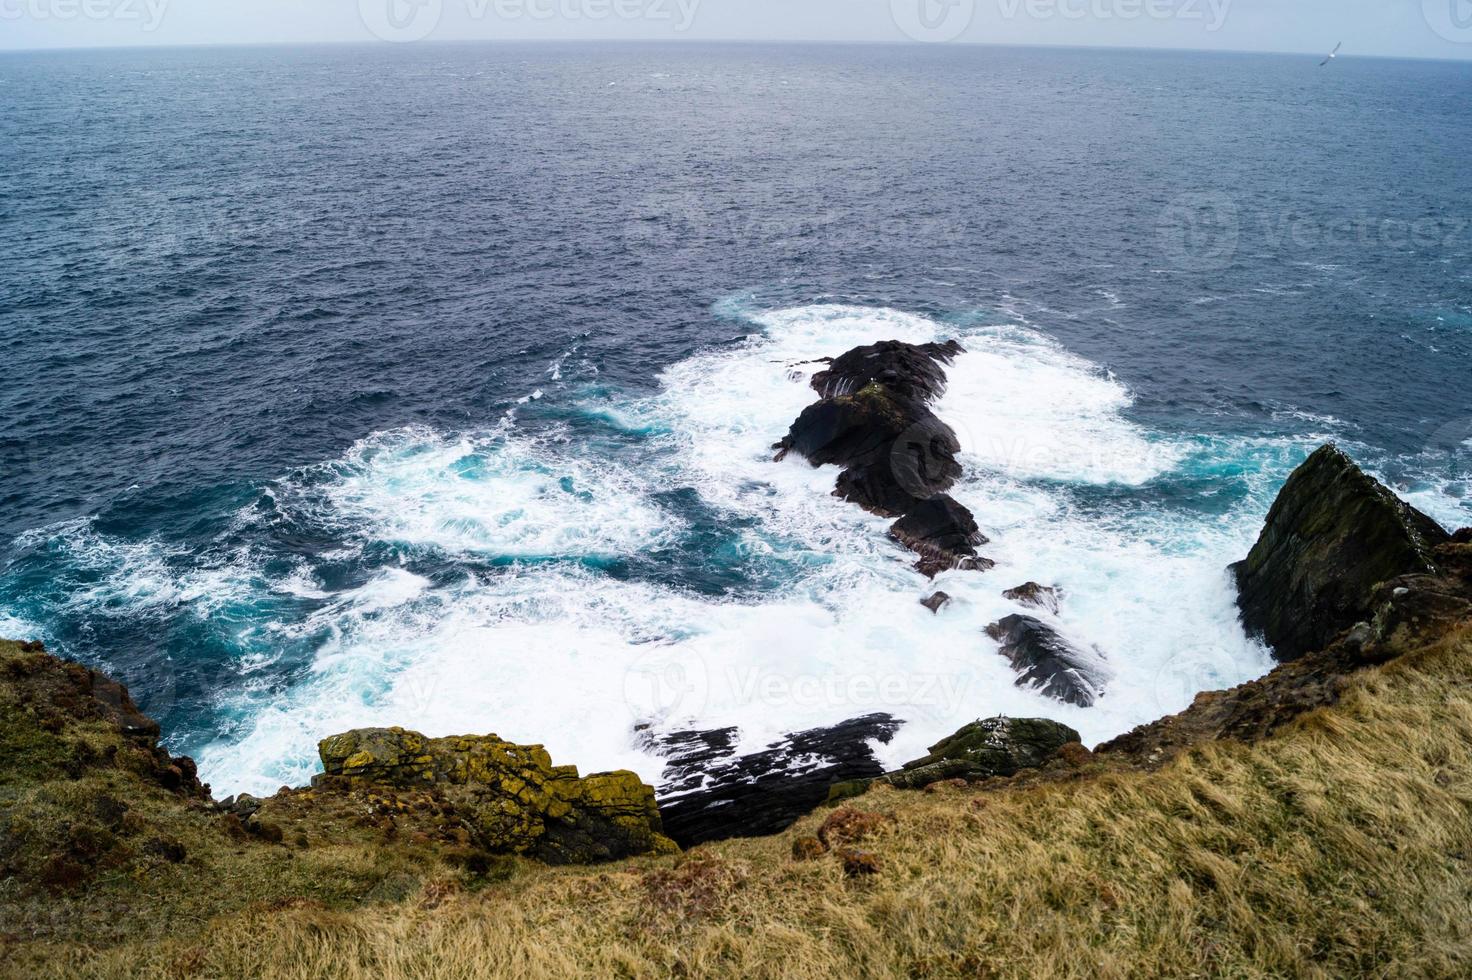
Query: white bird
x,y
1332,54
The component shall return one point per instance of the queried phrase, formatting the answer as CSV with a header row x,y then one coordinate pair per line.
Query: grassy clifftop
x,y
1338,845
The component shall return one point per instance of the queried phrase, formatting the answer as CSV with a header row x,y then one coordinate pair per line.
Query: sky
x,y
1405,28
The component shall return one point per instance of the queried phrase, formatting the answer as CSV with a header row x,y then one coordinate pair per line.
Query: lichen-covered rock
x,y
1332,535
807,849
857,863
991,747
850,826
512,797
1048,662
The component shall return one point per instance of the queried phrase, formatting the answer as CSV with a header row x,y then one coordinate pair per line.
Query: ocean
x,y
436,385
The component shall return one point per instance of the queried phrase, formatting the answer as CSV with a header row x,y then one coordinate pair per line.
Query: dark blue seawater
x,y
430,383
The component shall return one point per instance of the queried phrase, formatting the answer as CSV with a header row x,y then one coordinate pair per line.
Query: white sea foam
x,y
497,494
127,578
575,659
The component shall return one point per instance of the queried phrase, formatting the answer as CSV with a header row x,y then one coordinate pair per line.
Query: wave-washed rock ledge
x,y
1344,576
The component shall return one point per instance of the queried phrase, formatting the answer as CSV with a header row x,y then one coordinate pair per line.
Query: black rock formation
x,y
1331,536
894,451
898,458
1035,595
1049,662
943,534
936,601
911,371
710,793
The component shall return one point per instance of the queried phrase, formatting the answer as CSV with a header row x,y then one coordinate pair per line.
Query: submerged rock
x,y
710,793
1332,535
1035,595
513,799
1049,662
936,601
983,749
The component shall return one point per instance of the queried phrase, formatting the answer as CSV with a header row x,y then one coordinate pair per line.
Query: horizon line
x,y
428,42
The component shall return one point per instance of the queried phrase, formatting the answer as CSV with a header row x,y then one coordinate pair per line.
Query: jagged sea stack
x,y
874,420
1332,534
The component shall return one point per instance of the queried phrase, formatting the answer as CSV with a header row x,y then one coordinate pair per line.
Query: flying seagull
x,y
1332,54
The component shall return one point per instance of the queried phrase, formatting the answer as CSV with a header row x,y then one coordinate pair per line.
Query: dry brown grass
x,y
1339,848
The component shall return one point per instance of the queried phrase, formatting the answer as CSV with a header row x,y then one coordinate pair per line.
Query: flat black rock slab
x,y
707,792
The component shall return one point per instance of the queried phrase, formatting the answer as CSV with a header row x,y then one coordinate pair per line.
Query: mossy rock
x,y
511,797
983,749
1332,535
